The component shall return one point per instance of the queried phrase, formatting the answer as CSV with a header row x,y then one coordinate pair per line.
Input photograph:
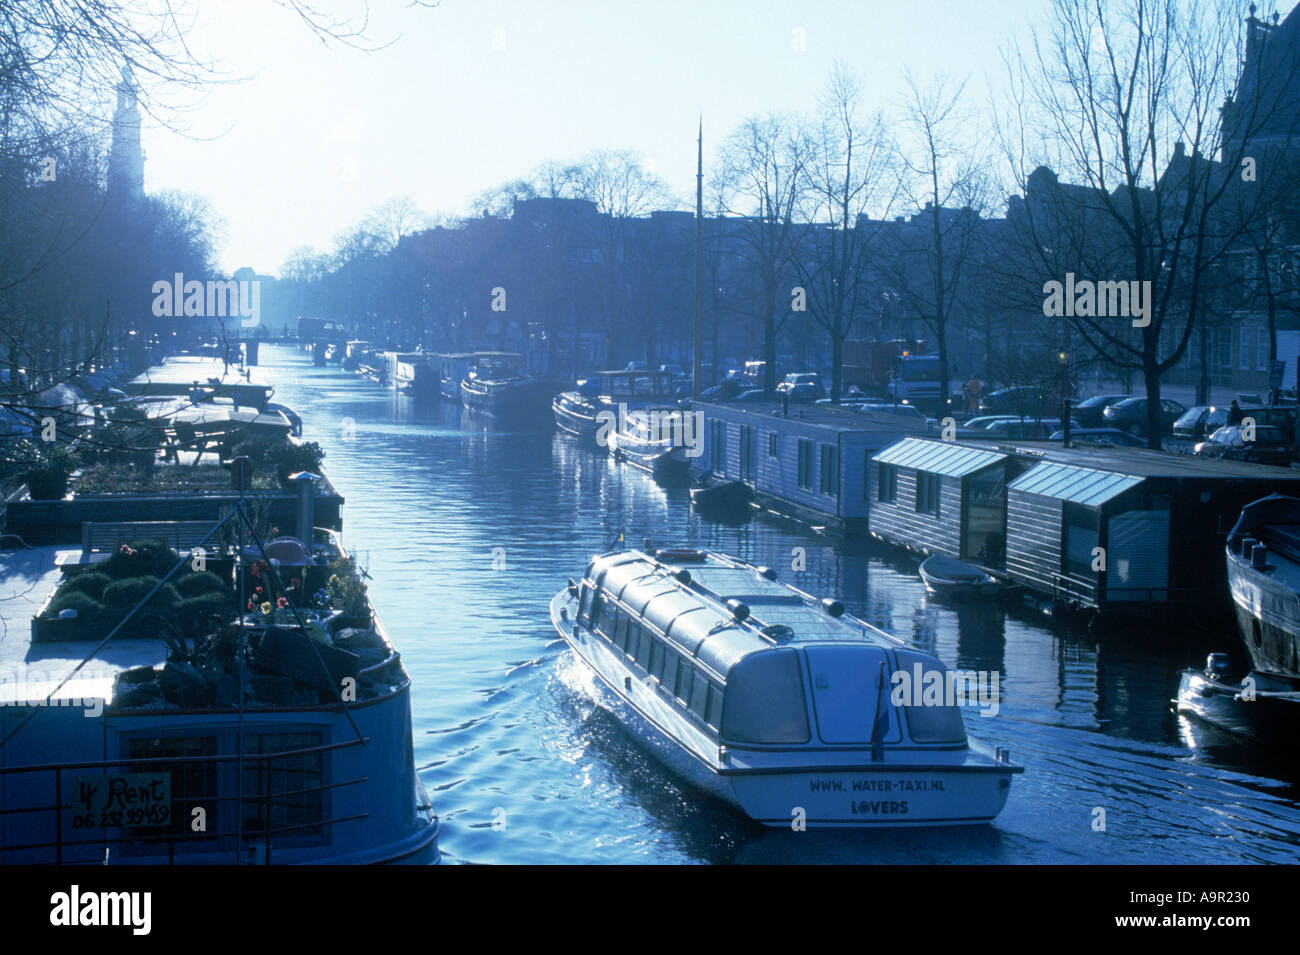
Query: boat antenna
x,y
696,373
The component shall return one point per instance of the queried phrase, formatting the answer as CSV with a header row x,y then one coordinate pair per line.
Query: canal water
x,y
468,531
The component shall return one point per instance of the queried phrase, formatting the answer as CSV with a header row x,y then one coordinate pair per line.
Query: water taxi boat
x,y
779,704
955,579
142,751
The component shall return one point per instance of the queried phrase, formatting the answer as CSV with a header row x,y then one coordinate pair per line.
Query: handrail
x,y
267,800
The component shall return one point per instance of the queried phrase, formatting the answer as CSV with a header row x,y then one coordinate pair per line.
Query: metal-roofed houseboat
x,y
771,700
1089,528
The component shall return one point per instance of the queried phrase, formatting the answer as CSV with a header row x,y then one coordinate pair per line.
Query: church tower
x,y
126,160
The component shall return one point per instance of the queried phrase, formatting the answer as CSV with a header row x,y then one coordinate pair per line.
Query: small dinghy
x,y
949,577
717,495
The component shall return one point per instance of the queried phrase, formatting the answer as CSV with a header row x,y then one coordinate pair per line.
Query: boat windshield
x,y
765,700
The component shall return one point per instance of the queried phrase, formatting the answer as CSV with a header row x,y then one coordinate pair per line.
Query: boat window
x,y
595,611
927,493
656,658
699,694
612,618
668,678
633,635
584,607
299,811
193,784
830,472
806,464
713,713
887,484
935,724
685,675
765,700
620,632
643,649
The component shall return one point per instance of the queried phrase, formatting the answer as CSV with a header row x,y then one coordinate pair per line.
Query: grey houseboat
x,y
810,463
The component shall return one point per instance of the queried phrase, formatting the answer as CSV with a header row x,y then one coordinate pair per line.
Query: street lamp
x,y
1063,359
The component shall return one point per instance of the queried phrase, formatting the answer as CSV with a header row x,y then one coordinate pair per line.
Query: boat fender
x,y
832,607
739,610
767,573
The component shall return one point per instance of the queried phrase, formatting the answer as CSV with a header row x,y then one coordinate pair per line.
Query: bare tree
x,y
944,177
848,176
765,171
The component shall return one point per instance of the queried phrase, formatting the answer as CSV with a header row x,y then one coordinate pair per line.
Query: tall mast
x,y
696,374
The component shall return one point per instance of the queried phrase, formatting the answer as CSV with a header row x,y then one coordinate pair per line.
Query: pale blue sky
x,y
319,135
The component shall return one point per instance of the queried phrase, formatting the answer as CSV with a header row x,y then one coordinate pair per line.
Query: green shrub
x,y
199,584
125,594
91,583
197,613
87,607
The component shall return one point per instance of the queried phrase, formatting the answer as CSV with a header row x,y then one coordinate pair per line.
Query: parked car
x,y
1200,421
1268,446
807,383
1020,400
751,395
1131,415
1025,429
983,421
905,410
1088,412
1111,436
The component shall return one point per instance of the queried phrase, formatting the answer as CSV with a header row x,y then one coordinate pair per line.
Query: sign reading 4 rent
x,y
122,799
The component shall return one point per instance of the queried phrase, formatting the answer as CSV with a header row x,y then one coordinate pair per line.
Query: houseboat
x,y
808,462
451,369
782,705
576,410
415,377
497,385
282,737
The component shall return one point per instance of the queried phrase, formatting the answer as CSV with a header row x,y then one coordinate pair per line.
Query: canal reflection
x,y
470,529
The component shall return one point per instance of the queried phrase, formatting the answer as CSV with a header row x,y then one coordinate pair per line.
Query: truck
x,y
872,365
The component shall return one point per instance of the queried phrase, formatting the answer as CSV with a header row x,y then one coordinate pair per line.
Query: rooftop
x,y
842,418
29,671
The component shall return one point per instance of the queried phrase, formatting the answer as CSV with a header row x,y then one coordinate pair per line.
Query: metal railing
x,y
265,800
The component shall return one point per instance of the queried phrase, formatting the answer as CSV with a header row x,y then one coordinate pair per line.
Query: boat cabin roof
x,y
689,597
28,670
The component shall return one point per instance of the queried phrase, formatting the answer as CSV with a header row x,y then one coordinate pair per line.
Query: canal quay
x,y
468,531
